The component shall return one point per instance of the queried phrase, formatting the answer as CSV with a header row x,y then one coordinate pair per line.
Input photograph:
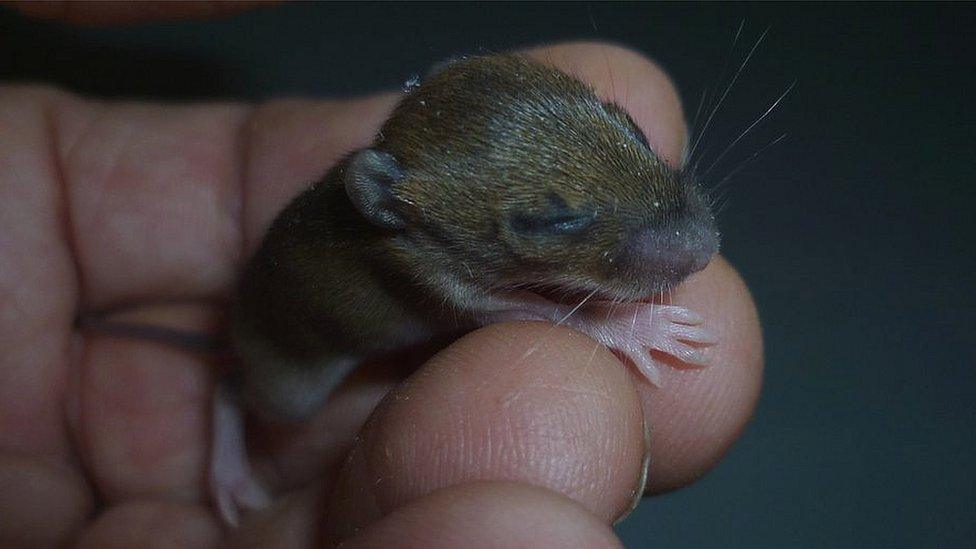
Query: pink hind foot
x,y
233,485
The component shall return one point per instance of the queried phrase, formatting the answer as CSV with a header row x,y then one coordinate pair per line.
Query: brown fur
x,y
487,145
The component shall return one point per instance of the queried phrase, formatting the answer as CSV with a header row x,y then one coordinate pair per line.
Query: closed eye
x,y
560,224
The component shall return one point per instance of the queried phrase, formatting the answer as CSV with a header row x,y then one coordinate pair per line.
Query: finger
x,y
38,289
41,505
43,498
292,522
297,454
697,414
292,143
477,514
150,523
99,13
487,514
139,411
152,195
157,196
526,402
632,81
144,413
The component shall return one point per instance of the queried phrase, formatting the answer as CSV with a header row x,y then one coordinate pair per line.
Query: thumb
x,y
488,514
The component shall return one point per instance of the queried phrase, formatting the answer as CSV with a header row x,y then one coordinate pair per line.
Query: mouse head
x,y
499,172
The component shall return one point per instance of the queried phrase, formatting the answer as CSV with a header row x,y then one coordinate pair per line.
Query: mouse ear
x,y
369,177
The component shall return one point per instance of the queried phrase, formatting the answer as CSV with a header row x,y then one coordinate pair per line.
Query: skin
x,y
150,210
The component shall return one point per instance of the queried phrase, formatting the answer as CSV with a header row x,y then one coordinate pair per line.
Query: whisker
x,y
597,344
751,126
577,307
725,65
535,345
727,90
752,158
633,324
694,121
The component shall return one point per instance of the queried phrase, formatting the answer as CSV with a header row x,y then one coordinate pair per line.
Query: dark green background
x,y
854,232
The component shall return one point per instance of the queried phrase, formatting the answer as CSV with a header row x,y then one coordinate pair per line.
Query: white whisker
x,y
747,130
577,307
746,162
695,129
727,90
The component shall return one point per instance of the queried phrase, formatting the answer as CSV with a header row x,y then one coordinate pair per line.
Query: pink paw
x,y
234,491
636,328
233,485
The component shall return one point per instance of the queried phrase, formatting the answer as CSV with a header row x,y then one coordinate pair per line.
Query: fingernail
x,y
638,493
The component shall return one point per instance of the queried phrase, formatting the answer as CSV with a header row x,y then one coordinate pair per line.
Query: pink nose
x,y
673,252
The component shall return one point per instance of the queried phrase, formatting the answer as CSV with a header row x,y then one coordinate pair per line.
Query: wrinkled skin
x,y
150,210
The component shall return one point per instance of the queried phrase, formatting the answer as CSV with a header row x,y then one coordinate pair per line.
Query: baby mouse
x,y
500,189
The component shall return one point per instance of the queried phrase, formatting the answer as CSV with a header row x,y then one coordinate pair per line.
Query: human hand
x,y
149,210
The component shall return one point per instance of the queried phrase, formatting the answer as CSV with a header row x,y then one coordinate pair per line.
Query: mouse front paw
x,y
636,329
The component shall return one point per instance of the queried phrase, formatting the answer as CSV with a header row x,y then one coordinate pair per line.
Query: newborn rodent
x,y
499,189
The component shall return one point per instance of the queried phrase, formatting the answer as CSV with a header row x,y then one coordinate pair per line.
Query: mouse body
x,y
499,189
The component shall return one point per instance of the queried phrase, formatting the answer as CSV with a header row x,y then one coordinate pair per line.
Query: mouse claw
x,y
677,332
687,333
645,364
678,315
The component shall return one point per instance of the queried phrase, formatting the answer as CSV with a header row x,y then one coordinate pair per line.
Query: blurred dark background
x,y
855,232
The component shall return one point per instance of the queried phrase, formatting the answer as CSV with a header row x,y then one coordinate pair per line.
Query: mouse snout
x,y
670,253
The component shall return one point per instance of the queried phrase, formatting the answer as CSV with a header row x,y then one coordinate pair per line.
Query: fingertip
x,y
699,413
152,523
292,520
488,514
292,143
521,402
632,80
40,505
144,410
